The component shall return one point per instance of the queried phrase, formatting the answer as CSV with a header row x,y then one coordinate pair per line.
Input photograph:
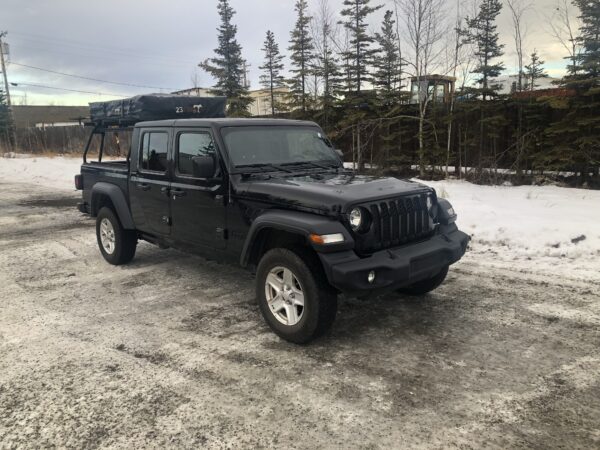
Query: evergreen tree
x,y
482,32
227,67
360,55
387,63
272,67
534,71
575,139
301,48
589,39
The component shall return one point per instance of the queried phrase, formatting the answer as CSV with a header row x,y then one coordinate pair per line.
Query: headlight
x,y
446,213
432,208
356,219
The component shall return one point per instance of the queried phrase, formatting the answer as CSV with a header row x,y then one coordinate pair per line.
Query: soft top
x,y
141,108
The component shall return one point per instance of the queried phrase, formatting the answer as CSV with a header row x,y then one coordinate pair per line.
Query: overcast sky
x,y
158,43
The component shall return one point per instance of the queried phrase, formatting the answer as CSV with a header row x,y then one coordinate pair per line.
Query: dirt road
x,y
171,351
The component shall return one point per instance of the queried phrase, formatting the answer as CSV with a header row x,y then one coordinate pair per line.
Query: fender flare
x,y
118,200
300,223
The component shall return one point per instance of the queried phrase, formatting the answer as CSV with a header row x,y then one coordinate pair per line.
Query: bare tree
x,y
195,78
456,59
324,29
425,28
399,38
562,26
517,10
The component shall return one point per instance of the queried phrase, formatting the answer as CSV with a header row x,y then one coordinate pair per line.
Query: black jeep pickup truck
x,y
274,197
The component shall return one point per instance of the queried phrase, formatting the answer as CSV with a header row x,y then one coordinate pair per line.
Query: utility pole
x,y
13,131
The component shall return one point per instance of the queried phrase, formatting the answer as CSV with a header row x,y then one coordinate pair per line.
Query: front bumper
x,y
396,267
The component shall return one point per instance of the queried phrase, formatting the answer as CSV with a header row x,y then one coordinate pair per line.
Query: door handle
x,y
164,190
177,193
144,186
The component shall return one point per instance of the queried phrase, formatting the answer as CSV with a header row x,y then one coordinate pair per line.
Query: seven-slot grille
x,y
397,221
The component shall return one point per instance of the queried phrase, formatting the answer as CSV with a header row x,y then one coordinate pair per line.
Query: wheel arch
x,y
106,194
290,227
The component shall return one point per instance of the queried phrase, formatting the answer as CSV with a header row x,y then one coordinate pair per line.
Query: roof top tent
x,y
122,115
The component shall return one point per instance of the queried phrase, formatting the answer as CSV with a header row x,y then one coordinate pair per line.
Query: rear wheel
x,y
116,244
295,300
424,286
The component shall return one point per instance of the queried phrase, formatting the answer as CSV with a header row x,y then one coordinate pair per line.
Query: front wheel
x,y
424,286
295,300
116,244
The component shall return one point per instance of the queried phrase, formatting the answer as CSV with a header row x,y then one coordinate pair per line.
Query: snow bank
x,y
547,223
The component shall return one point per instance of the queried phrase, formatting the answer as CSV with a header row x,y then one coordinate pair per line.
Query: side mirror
x,y
340,154
204,166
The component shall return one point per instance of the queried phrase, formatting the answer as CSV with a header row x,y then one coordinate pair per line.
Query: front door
x,y
197,204
149,183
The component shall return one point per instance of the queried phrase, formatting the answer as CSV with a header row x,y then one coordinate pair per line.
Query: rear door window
x,y
153,155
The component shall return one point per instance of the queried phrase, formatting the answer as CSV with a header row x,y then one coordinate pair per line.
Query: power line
x,y
111,57
65,89
91,79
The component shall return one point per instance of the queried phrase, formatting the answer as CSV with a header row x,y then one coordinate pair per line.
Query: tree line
x,y
357,85
371,91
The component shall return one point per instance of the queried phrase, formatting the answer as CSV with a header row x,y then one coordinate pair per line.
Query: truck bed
x,y
113,172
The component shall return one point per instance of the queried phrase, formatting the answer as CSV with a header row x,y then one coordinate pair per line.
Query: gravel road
x,y
171,351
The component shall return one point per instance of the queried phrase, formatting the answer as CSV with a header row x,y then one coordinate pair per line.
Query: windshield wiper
x,y
314,164
263,166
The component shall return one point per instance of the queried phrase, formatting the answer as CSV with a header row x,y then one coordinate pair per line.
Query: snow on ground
x,y
547,228
56,172
552,228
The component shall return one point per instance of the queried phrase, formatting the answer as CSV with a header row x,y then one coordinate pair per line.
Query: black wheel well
x,y
269,238
100,201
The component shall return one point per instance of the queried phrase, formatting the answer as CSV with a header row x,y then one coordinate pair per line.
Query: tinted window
x,y
154,151
277,145
191,145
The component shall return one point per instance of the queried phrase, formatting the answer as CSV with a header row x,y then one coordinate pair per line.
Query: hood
x,y
326,192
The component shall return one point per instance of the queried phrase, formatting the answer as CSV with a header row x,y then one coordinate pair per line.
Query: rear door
x,y
149,182
197,204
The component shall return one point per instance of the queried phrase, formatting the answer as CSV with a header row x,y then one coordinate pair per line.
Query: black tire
x,y
125,241
425,286
320,299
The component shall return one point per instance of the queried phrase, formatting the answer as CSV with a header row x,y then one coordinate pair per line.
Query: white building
x,y
261,105
508,83
194,92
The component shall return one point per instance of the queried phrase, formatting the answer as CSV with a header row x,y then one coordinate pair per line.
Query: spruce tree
x,y
388,66
575,139
227,67
301,48
534,71
482,32
589,39
360,56
272,78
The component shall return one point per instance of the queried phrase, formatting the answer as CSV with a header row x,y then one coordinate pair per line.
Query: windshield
x,y
277,145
